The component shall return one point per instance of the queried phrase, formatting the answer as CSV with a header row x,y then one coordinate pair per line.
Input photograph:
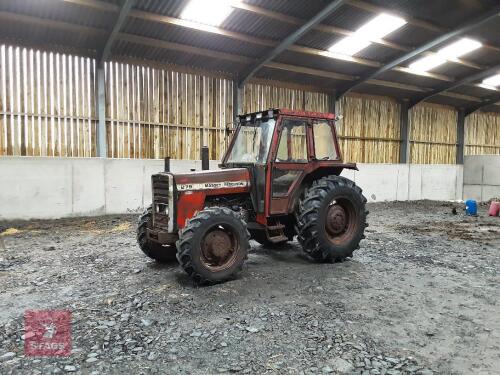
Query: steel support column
x,y
404,150
460,136
237,100
120,21
102,144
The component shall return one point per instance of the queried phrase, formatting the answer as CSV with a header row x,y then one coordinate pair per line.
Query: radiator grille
x,y
160,189
161,211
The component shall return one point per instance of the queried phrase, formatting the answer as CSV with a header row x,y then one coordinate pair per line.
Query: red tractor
x,y
280,177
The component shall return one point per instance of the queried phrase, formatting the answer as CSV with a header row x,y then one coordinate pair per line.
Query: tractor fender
x,y
315,174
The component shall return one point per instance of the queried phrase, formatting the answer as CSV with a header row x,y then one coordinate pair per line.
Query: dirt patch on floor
x,y
419,297
470,229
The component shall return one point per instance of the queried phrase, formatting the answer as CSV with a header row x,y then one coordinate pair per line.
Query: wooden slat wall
x,y
482,133
46,104
433,133
153,113
258,97
48,108
369,131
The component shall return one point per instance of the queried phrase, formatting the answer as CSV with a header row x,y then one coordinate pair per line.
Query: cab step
x,y
275,233
277,239
276,227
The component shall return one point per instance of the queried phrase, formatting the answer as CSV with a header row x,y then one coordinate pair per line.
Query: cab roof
x,y
288,112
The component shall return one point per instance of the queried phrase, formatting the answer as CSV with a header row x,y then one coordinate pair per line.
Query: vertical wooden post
x,y
404,150
460,136
101,112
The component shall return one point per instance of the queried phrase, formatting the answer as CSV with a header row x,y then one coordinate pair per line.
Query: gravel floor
x,y
420,297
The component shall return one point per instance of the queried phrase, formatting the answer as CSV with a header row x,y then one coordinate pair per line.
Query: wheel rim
x,y
341,219
219,247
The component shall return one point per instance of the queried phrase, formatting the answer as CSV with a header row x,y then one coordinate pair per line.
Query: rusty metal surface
x,y
219,248
341,221
162,237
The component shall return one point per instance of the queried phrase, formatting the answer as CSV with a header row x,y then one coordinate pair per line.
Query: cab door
x,y
289,161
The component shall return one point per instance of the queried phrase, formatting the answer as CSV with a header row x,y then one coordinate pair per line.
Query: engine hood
x,y
233,178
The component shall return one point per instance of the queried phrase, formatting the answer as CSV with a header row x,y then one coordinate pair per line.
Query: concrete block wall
x,y
49,188
403,182
482,177
65,187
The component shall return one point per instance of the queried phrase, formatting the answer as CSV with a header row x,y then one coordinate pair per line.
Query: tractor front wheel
x,y
154,250
331,219
213,245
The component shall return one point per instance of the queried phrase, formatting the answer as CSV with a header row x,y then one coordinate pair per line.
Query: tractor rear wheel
x,y
154,250
213,245
331,219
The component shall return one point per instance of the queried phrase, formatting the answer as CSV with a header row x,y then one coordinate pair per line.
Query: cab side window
x,y
292,147
324,144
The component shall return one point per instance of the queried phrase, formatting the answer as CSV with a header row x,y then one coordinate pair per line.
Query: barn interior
x,y
95,95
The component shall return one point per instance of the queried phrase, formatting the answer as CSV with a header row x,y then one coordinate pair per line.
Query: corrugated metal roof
x,y
491,108
167,7
261,26
191,37
323,84
256,25
300,9
124,49
348,17
444,13
322,63
411,79
446,100
454,70
380,90
43,36
55,10
411,36
478,92
489,32
485,57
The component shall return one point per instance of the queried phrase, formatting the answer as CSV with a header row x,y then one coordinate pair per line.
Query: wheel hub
x,y
217,247
336,220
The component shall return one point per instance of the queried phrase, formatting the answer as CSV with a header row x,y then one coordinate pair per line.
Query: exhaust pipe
x,y
167,164
205,165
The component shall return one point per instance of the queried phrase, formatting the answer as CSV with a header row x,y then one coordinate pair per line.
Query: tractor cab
x,y
282,148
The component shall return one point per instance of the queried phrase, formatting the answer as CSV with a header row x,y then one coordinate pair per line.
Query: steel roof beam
x,y
291,39
483,18
122,16
452,85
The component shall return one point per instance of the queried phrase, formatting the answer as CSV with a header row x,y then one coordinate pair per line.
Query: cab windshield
x,y
252,142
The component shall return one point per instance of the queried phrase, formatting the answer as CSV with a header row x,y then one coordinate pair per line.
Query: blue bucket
x,y
471,207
